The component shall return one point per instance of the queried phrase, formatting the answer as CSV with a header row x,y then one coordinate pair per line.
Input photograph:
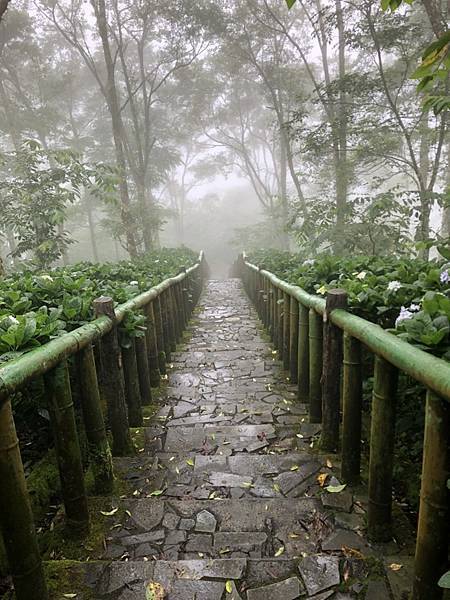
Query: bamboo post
x,y
143,370
286,330
16,517
152,342
112,381
67,448
176,313
303,354
271,299
160,343
352,410
382,450
132,391
280,310
266,304
315,366
331,372
99,451
171,310
293,341
434,512
165,324
275,317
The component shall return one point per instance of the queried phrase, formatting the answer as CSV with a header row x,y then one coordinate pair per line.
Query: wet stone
x,y
141,538
205,522
350,539
289,589
170,521
186,524
319,572
341,501
240,541
199,543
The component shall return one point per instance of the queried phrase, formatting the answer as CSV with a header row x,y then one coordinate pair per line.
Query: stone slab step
x,y
314,577
173,529
238,476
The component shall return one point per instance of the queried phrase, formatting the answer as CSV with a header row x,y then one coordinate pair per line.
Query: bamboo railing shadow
x,y
320,343
120,376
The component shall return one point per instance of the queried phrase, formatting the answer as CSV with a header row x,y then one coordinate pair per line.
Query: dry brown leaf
x,y
321,479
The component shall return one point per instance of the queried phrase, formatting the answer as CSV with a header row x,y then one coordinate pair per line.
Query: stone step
x,y
314,577
173,529
215,438
242,475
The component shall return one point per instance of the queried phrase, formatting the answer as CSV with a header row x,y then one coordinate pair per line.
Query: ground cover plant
x,y
37,306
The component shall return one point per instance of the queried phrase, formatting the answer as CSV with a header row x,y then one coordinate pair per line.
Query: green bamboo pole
x,y
99,451
331,373
165,324
293,341
382,450
275,317
143,370
280,330
132,391
171,311
431,559
270,293
286,330
303,354
315,366
158,323
112,382
175,314
152,342
67,448
352,410
16,517
266,304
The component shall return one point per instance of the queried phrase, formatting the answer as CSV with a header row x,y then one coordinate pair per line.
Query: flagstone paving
x,y
228,498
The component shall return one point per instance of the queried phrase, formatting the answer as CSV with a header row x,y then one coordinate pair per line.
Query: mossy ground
x,y
66,577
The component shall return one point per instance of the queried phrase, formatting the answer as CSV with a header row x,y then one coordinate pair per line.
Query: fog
x,y
221,126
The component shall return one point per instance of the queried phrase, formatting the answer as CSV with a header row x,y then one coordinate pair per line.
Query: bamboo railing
x,y
119,376
320,343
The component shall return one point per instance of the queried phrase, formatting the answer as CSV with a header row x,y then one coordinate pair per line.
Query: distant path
x,y
238,489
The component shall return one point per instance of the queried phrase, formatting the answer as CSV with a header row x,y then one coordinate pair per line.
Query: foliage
x,y
379,288
37,187
36,306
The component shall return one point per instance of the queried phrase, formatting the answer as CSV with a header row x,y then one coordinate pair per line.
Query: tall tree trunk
x,y
284,237
445,219
117,126
341,166
423,228
91,224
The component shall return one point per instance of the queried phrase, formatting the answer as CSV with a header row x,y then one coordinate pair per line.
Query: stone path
x,y
228,499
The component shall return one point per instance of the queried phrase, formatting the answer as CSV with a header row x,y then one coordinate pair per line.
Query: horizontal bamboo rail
x,y
104,370
323,350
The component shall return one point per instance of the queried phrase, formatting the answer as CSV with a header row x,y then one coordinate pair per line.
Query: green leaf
x,y
336,489
444,581
290,3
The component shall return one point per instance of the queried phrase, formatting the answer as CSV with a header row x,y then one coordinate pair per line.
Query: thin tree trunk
x,y
117,126
90,218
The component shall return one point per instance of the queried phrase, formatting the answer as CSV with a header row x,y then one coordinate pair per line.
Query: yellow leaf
x,y
229,586
110,513
395,567
190,462
329,463
154,591
280,551
295,468
322,478
276,487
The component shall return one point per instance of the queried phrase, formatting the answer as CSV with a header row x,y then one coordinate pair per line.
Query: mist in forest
x,y
223,126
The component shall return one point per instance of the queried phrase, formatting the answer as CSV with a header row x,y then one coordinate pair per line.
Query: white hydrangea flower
x,y
404,315
134,282
393,286
361,275
309,261
47,277
414,308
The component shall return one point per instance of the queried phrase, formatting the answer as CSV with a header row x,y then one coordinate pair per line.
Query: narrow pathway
x,y
228,498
